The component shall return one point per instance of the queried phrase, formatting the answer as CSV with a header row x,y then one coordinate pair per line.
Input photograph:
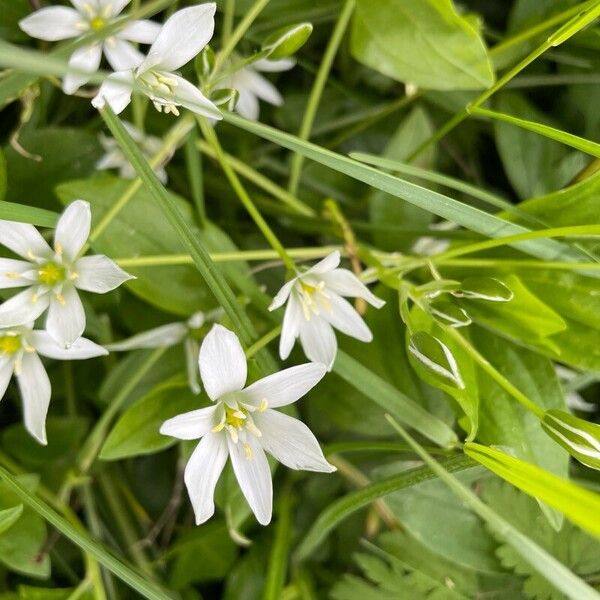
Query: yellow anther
x,y
248,451
58,248
253,429
61,299
233,433
12,275
263,405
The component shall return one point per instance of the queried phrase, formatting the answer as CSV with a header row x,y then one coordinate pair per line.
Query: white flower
x,y
172,334
115,159
252,86
242,425
52,276
430,246
60,22
181,38
19,348
315,306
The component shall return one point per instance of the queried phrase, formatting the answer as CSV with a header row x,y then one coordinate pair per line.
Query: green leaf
x,y
580,438
426,43
3,176
137,430
9,211
287,40
578,504
9,516
484,288
392,400
343,507
448,313
12,12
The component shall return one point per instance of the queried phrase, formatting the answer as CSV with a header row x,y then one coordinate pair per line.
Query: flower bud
x,y
286,41
484,288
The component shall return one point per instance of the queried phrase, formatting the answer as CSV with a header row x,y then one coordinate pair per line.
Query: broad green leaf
x,y
27,592
580,438
137,430
578,504
20,545
3,176
343,507
383,208
426,43
392,400
9,516
12,12
32,181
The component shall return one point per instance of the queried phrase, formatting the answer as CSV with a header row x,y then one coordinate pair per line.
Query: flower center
x,y
51,273
10,344
313,298
97,23
161,90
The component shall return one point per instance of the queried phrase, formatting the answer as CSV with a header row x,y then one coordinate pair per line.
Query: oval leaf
x,y
449,314
9,517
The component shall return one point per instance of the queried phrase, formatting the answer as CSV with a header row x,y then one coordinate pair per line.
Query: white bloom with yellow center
x,y
55,23
181,38
52,276
242,424
315,306
19,348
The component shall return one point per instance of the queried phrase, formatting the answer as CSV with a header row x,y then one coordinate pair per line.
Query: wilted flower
x,y
242,425
55,23
171,334
19,348
315,307
253,87
181,38
115,159
52,276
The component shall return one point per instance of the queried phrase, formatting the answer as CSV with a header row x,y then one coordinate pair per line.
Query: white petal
x,y
114,159
318,341
81,349
252,472
141,32
115,91
6,371
291,442
190,97
287,386
24,307
66,317
159,337
181,38
192,351
346,283
247,105
85,59
52,23
291,327
11,271
99,274
330,262
73,229
121,55
202,473
114,6
283,294
251,81
274,66
344,317
24,239
222,362
35,391
190,425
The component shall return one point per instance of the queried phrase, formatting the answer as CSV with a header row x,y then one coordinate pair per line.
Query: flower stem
x,y
263,341
193,162
245,199
314,98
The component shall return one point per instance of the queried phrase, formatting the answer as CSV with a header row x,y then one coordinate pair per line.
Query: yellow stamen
x,y
263,405
248,451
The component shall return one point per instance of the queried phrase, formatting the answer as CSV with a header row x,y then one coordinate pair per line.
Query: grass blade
x,y
9,211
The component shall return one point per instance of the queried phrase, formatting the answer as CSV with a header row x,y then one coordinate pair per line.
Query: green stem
x,y
243,196
501,263
263,341
193,162
227,25
314,98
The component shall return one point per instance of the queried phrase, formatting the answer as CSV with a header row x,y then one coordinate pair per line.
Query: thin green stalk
x,y
316,92
263,341
506,385
227,25
193,163
558,37
70,394
79,537
501,263
237,34
236,184
171,141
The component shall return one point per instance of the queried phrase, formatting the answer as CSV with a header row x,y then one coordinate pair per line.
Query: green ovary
x,y
51,273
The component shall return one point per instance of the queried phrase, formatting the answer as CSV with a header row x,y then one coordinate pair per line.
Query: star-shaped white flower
x,y
252,86
315,307
242,425
19,348
171,334
52,276
181,38
55,23
115,159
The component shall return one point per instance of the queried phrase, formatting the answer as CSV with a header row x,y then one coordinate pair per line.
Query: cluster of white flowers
x,y
241,423
51,277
